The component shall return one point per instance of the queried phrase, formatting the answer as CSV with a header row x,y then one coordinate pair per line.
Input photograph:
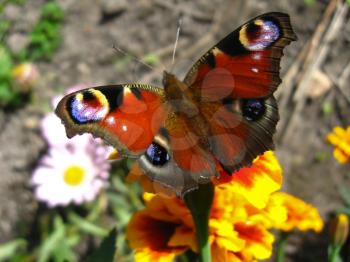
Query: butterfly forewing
x,y
126,116
248,58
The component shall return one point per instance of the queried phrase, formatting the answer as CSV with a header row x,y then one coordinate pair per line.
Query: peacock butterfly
x,y
222,113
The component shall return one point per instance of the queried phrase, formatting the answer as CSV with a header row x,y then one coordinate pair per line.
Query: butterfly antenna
x,y
118,49
179,23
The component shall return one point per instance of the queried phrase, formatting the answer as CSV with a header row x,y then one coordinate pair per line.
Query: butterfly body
x,y
222,113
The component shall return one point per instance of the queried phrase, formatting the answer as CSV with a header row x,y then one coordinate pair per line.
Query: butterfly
x,y
222,114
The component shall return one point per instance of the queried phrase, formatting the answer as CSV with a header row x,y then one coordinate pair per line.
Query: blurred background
x,y
69,42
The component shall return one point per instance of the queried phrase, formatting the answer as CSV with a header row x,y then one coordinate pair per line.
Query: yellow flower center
x,y
74,175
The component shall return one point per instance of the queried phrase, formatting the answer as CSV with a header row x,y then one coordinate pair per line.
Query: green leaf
x,y
106,250
52,12
345,194
11,248
45,36
87,226
309,2
151,59
327,108
63,252
344,210
6,63
53,240
6,94
320,156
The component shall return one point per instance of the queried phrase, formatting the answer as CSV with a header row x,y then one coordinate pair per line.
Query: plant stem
x,y
334,254
199,203
281,246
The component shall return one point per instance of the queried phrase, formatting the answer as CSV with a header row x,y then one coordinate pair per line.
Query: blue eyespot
x,y
259,34
157,154
253,109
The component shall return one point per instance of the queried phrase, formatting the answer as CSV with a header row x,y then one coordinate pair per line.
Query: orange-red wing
x,y
246,63
126,116
234,84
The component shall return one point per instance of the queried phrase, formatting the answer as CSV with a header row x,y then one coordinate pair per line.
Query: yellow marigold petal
x,y
339,131
258,240
225,236
257,182
273,215
333,139
340,138
228,205
148,196
301,215
340,156
148,255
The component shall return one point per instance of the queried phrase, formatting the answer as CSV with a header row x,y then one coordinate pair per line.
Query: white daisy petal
x,y
72,171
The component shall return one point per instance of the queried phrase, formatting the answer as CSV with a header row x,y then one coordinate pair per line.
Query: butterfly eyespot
x,y
157,154
253,109
259,34
88,106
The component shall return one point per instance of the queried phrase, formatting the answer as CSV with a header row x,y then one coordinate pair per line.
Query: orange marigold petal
x,y
184,236
144,231
258,240
220,254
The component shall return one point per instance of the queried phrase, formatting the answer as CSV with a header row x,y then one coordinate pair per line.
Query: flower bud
x,y
25,77
339,230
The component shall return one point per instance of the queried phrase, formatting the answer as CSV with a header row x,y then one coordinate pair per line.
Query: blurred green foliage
x,y
4,3
107,249
44,40
345,195
45,37
8,96
60,233
309,2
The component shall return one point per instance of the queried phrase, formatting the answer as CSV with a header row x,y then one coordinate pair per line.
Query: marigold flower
x,y
245,206
233,235
256,182
300,215
340,138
